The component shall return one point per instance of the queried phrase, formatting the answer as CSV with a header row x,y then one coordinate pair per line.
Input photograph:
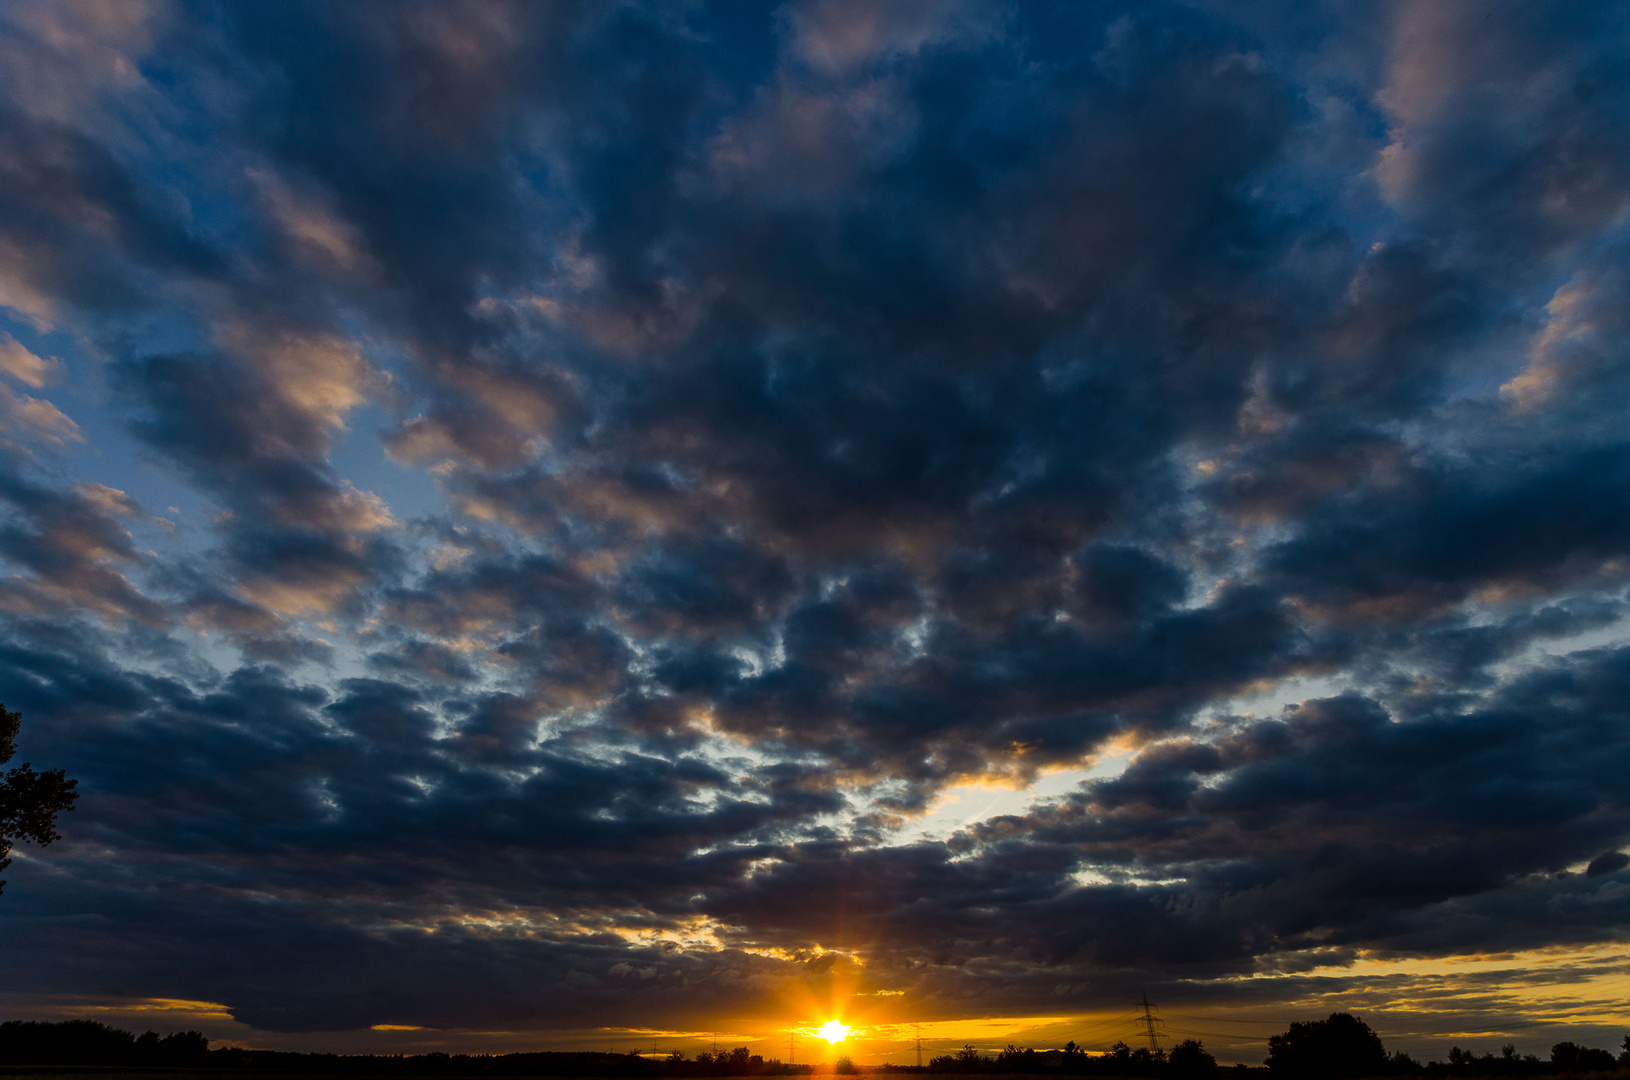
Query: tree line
x,y
90,1043
1340,1047
86,1042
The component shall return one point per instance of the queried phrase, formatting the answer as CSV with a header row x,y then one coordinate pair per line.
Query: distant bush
x,y
1571,1057
1508,1063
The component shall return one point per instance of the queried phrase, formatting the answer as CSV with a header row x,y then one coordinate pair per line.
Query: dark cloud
x,y
80,229
638,461
1529,530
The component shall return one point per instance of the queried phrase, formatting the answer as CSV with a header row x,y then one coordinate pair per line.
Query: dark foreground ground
x,y
85,1072
78,1072
62,1072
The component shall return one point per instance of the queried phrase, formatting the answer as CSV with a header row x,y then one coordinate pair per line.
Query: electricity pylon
x,y
1151,1024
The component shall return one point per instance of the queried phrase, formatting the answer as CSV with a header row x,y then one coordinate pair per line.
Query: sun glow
x,y
834,1031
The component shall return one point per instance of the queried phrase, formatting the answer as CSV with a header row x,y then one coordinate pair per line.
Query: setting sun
x,y
834,1031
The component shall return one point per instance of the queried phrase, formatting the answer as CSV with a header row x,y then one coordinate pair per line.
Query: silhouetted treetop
x,y
29,801
1190,1061
1341,1046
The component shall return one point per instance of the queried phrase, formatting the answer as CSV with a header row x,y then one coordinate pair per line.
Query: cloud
x,y
1578,344
36,419
74,552
836,35
22,365
318,237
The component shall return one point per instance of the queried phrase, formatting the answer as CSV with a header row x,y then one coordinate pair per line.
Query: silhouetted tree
x,y
29,801
964,1060
179,1049
1341,1046
186,1049
1016,1060
844,1067
1571,1057
1190,1061
1146,1062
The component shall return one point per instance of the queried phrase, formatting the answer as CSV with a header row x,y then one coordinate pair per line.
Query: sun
x,y
834,1031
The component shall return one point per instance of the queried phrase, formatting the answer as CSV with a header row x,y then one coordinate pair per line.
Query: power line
x,y
1102,1027
1231,1019
1232,1036
1113,1021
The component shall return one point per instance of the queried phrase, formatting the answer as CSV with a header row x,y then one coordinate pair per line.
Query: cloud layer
x,y
521,514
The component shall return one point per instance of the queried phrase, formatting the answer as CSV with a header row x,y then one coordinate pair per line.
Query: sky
x,y
615,525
